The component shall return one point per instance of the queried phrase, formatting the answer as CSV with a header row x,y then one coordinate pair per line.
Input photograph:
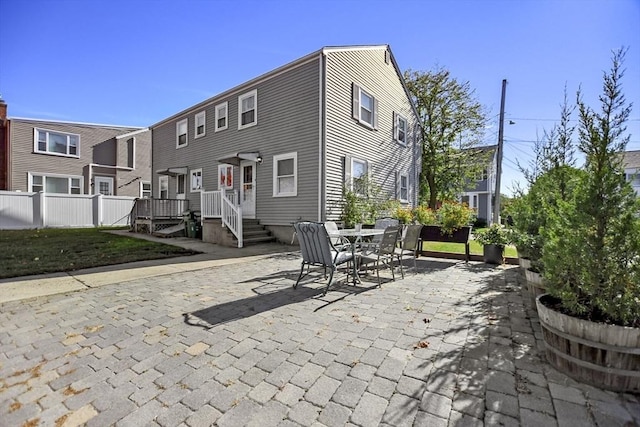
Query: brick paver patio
x,y
457,344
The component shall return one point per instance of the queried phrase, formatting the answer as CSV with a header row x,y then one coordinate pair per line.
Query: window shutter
x,y
356,102
395,126
347,172
375,113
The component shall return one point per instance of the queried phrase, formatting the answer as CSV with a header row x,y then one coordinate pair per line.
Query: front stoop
x,y
253,233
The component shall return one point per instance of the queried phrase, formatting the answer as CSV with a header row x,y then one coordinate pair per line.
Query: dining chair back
x,y
410,245
316,249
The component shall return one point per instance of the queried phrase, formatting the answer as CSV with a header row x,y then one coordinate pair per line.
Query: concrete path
x,y
232,344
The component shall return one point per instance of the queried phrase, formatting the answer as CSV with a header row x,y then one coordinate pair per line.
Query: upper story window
x,y
400,129
285,175
61,184
181,133
221,116
483,175
57,143
200,129
248,109
365,107
196,180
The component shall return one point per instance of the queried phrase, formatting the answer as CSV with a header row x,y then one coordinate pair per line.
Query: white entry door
x,y
248,188
103,185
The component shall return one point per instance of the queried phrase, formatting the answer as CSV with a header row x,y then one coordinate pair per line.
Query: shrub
x,y
452,216
494,235
424,215
591,251
404,215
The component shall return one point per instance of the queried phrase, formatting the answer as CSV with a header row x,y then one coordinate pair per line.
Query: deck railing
x,y
160,208
223,205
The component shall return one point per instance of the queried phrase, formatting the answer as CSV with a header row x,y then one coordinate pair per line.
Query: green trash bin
x,y
191,229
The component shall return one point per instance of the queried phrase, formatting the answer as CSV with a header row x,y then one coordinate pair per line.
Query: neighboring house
x,y
75,158
286,143
479,194
631,162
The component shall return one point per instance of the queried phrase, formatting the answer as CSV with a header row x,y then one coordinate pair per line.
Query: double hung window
x,y
248,109
285,175
181,133
400,129
221,116
200,124
365,107
196,180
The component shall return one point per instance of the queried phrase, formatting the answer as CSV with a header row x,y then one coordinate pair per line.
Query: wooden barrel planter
x,y
603,355
535,285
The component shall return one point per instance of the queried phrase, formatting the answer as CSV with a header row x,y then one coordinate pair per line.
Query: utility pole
x,y
496,203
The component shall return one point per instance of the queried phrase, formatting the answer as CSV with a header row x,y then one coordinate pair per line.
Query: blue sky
x,y
136,62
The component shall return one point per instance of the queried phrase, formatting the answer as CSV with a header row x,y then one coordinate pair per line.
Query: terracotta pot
x,y
606,356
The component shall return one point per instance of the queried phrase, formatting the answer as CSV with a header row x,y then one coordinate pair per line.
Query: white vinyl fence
x,y
39,210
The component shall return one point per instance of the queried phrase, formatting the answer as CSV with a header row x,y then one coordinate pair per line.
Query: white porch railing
x,y
223,205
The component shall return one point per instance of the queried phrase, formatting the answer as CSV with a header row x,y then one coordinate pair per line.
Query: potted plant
x,y
590,317
493,239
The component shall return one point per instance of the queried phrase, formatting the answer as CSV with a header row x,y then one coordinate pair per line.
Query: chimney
x,y
3,112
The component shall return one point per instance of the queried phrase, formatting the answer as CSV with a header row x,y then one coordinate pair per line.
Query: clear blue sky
x,y
136,62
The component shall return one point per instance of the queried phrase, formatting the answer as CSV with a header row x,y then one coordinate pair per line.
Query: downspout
x,y
322,146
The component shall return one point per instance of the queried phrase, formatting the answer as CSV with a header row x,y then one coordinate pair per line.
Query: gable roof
x,y
287,67
631,159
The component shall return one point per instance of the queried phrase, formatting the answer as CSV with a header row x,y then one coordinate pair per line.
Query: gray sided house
x,y
631,163
78,158
479,193
284,145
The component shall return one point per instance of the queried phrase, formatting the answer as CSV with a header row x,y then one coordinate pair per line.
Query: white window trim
x,y
142,183
396,129
224,168
276,159
186,129
162,178
254,94
367,171
218,107
108,179
51,153
203,115
54,175
406,177
191,174
357,107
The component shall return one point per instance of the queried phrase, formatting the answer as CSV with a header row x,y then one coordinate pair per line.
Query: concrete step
x,y
262,239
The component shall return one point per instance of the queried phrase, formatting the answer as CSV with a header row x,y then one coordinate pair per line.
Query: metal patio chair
x,y
409,245
383,253
316,249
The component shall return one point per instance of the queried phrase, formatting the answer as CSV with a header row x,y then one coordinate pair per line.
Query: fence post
x,y
97,210
42,208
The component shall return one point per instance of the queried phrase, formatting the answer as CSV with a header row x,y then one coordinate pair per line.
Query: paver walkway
x,y
235,345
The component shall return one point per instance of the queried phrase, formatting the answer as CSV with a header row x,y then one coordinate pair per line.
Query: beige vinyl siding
x,y
346,137
287,121
97,145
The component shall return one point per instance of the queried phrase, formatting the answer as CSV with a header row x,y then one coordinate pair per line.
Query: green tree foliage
x,y
591,252
365,202
452,120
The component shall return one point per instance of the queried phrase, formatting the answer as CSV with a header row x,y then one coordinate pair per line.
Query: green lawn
x,y
458,248
26,252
